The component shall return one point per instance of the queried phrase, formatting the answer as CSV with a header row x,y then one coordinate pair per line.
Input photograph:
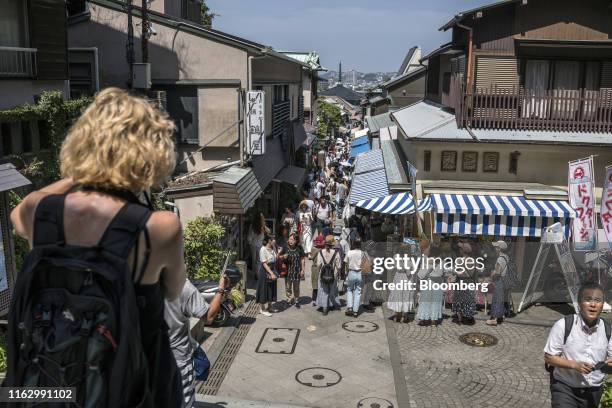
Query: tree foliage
x,y
207,15
328,116
204,256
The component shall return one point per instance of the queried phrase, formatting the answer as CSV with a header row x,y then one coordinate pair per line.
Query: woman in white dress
x,y
401,301
305,226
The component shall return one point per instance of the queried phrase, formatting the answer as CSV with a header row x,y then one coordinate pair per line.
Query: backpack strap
x,y
569,323
124,230
608,328
49,221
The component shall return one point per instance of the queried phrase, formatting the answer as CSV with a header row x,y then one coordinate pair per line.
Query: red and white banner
x,y
606,205
581,186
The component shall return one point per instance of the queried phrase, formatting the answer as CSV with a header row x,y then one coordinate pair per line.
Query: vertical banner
x,y
606,205
581,185
255,122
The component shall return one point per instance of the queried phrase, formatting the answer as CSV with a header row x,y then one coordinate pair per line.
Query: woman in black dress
x,y
294,257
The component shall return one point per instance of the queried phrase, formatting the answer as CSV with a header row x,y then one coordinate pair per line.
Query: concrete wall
x,y
21,91
218,110
193,207
208,157
174,54
545,164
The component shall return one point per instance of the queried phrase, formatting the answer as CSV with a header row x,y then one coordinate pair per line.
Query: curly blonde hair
x,y
119,142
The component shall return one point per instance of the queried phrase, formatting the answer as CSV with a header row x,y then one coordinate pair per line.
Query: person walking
x,y
305,224
294,257
329,264
498,277
318,245
577,350
323,216
429,311
118,149
354,282
464,304
267,279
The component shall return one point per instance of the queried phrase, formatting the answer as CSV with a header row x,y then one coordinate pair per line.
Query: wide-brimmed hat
x,y
337,230
501,245
319,241
303,203
329,240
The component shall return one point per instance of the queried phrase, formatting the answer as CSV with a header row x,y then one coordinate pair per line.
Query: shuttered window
x,y
500,72
606,74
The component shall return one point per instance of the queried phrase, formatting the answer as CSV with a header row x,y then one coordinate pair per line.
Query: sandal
x,y
491,322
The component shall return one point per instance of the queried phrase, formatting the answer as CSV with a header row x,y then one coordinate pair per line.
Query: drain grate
x,y
223,363
374,402
478,339
318,377
278,341
360,326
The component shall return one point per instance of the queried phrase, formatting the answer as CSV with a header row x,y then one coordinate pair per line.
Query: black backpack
x,y
327,270
74,318
569,323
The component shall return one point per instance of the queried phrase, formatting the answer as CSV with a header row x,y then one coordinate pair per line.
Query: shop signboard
x,y
606,205
582,199
3,271
255,123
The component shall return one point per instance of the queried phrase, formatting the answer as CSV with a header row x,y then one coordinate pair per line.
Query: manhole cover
x,y
278,341
360,326
478,339
374,402
318,377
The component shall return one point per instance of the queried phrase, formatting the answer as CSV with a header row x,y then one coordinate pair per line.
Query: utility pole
x,y
130,42
144,37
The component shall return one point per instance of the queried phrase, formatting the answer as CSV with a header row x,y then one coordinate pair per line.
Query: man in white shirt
x,y
578,353
319,188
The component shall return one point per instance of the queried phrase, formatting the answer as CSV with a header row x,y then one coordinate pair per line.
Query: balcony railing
x,y
17,62
518,108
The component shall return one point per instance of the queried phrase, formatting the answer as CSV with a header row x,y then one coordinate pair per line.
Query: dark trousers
x,y
564,396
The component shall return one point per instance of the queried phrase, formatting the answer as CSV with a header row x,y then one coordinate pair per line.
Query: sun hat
x,y
329,240
319,241
501,245
303,203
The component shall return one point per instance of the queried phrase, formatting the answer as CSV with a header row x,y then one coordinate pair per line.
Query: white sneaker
x,y
265,313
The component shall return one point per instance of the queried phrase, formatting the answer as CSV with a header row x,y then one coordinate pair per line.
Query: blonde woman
x,y
117,150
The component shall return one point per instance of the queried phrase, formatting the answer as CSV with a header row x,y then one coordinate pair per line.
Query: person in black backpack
x,y
328,261
577,350
88,305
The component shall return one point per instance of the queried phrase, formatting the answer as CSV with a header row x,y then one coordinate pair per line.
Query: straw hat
x,y
303,203
329,240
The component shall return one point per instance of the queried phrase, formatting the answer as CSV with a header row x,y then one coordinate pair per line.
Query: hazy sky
x,y
367,35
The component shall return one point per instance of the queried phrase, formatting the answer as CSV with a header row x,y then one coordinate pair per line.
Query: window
x,y
191,10
26,137
427,160
182,106
281,93
82,71
13,28
44,139
7,140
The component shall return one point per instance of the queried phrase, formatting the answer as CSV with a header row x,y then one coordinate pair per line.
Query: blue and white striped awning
x,y
369,177
497,215
394,204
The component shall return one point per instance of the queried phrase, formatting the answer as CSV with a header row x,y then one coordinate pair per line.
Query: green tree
x,y
204,256
207,15
328,116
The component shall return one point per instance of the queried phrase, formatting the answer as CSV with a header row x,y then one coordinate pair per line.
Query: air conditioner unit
x,y
141,75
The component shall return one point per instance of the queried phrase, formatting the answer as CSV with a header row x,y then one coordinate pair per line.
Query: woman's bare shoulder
x,y
165,226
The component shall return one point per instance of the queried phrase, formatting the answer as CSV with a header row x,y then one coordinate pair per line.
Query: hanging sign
x,y
582,200
255,123
606,205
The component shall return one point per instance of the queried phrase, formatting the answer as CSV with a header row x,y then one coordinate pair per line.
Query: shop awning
x,y
292,175
11,178
395,204
497,215
361,133
359,149
360,141
235,191
299,135
369,178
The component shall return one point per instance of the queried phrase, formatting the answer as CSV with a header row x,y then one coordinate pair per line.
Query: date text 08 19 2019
x,y
36,394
